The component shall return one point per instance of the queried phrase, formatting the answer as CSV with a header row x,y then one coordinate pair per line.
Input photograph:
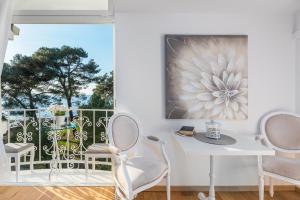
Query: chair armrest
x,y
162,147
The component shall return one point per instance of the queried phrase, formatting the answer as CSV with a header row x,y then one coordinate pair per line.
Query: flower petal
x,y
189,88
241,99
232,93
240,115
219,83
242,61
195,107
244,109
215,69
222,61
219,94
188,75
231,65
230,80
205,96
216,110
209,105
219,101
229,113
198,115
196,84
186,65
244,83
234,106
243,91
187,97
221,116
225,76
237,81
206,76
208,85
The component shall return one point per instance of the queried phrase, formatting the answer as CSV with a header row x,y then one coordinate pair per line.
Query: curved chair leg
x,y
271,189
168,185
116,195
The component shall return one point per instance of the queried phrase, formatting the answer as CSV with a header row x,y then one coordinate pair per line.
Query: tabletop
x,y
245,146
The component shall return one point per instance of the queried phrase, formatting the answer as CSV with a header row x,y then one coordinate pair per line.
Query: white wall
x,y
297,74
297,58
140,81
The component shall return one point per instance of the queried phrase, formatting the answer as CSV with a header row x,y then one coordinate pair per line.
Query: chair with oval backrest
x,y
281,132
135,170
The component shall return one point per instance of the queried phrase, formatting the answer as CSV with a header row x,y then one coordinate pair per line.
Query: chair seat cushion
x,y
17,147
286,167
141,171
98,148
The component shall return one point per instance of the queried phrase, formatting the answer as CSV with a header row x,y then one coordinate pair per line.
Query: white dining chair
x,y
139,162
281,132
97,150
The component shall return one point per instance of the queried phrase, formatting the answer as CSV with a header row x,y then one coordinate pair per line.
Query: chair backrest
x,y
281,131
124,131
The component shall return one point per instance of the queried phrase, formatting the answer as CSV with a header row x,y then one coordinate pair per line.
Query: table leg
x,y
261,178
212,194
52,165
55,162
51,170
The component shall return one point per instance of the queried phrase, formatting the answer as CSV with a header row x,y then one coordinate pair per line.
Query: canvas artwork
x,y
206,77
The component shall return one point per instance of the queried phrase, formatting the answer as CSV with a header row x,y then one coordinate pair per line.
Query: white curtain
x,y
6,11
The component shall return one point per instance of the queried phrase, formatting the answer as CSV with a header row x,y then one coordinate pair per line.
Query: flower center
x,y
229,93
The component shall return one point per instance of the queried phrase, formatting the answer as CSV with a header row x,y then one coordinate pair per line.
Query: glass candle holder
x,y
213,130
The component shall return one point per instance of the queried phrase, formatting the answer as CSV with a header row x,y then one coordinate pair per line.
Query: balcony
x,y
34,126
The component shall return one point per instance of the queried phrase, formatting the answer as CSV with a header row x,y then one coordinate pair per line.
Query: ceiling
x,y
165,6
259,6
61,5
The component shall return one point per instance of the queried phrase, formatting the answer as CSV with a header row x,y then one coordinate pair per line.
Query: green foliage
x,y
60,113
24,83
69,71
103,96
49,75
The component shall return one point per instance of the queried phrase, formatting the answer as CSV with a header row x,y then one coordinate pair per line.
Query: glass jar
x,y
213,130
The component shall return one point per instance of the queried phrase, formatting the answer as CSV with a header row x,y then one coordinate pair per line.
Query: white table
x,y
245,146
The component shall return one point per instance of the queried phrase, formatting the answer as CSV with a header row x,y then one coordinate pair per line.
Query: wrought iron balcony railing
x,y
34,126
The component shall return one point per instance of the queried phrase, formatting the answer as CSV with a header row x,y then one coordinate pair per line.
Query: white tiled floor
x,y
65,177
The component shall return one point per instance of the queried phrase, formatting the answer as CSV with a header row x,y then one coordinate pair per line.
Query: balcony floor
x,y
65,177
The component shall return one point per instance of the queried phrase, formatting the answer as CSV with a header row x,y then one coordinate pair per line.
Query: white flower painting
x,y
206,77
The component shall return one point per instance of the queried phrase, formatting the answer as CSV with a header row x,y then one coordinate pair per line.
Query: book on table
x,y
186,131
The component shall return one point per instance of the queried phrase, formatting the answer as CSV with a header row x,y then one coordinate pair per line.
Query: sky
x,y
96,40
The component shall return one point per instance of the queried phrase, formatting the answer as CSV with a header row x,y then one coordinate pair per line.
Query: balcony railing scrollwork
x,y
34,126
